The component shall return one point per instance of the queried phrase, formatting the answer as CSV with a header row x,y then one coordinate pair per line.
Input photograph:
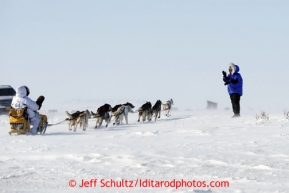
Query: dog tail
x,y
69,115
87,112
82,114
92,114
78,119
119,111
95,115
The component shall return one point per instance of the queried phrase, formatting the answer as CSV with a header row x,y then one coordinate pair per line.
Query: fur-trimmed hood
x,y
21,92
234,67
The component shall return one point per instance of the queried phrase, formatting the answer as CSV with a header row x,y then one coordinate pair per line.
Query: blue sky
x,y
146,50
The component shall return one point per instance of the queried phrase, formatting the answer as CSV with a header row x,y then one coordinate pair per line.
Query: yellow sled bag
x,y
18,121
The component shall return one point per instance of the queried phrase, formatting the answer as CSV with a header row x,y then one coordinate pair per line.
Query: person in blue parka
x,y
234,83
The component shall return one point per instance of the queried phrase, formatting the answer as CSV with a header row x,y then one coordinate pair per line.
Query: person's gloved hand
x,y
39,101
224,73
226,83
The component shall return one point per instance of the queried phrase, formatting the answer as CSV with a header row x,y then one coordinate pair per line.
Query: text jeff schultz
x,y
149,183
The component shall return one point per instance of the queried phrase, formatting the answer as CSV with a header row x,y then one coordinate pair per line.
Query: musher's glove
x,y
226,83
224,73
39,101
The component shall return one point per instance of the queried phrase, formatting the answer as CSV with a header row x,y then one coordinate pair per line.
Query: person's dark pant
x,y
235,100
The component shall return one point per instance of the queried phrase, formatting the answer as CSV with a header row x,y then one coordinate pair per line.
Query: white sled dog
x,y
167,107
82,119
120,111
72,120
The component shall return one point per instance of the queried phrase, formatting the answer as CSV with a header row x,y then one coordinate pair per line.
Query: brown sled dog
x,y
145,111
157,109
101,114
72,119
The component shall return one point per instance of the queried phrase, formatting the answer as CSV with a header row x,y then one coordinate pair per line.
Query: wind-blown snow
x,y
251,155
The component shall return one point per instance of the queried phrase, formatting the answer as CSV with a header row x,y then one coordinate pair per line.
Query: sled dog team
x,y
118,112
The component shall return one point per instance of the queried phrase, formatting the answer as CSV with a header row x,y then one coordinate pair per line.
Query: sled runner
x,y
19,122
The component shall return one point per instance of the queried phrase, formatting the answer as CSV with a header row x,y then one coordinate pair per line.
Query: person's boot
x,y
236,115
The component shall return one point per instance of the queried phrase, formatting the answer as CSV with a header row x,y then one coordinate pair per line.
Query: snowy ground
x,y
252,156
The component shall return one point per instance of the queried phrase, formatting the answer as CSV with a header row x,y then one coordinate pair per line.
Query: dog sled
x,y
19,122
